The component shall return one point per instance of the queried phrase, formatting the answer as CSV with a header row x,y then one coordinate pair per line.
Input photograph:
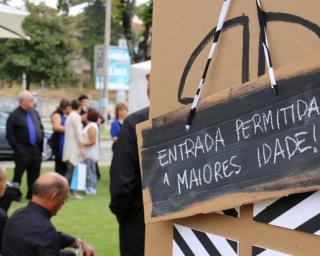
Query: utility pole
x,y
107,34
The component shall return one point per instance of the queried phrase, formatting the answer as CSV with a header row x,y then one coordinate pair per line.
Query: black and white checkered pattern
x,y
221,19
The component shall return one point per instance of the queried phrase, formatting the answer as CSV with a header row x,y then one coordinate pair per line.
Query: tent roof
x,y
145,65
11,21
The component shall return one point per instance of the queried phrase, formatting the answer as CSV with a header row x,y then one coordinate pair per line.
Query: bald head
x,y
26,100
49,183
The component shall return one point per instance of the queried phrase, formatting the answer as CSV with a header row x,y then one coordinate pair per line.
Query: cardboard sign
x,y
250,144
182,34
258,251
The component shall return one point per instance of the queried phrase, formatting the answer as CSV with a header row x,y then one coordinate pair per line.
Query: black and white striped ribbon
x,y
265,44
221,19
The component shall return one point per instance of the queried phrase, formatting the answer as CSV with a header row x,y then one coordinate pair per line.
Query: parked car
x,y
6,150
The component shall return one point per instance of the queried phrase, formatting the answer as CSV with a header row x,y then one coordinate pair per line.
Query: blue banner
x,y
119,66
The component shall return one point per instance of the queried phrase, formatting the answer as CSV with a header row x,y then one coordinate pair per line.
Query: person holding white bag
x,y
91,150
73,144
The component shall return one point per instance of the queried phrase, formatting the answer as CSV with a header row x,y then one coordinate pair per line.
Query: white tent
x,y
138,97
11,22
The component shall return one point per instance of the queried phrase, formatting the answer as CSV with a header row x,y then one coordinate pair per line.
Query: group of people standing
x,y
29,230
75,140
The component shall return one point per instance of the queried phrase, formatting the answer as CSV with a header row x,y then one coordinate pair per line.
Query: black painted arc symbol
x,y
283,17
229,24
243,21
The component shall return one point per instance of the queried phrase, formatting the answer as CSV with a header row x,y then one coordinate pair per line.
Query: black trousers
x,y
60,166
10,194
132,233
29,160
69,172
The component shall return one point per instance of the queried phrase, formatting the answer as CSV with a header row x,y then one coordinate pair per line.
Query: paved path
x,y
105,156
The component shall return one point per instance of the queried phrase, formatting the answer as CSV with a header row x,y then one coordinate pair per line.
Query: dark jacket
x,y
17,132
29,232
125,178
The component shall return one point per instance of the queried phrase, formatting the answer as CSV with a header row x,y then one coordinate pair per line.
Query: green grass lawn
x,y
88,219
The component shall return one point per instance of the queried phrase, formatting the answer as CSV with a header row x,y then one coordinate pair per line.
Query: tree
x,y
144,12
45,55
123,11
91,29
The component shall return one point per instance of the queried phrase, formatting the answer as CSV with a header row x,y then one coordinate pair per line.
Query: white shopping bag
x,y
79,176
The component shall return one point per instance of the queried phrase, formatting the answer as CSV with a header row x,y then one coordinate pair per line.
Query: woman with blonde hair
x,y
121,113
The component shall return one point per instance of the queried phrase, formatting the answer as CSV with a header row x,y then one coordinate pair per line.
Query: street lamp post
x,y
107,34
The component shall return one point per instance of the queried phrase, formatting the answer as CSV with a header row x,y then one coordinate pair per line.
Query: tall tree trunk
x,y
127,7
145,45
28,80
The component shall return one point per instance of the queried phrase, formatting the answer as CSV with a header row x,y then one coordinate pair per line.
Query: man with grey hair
x,y
29,231
24,132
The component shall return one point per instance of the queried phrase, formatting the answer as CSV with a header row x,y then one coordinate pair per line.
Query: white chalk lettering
x,y
278,151
190,179
172,155
267,120
191,148
300,105
257,123
219,139
313,107
182,181
291,150
166,179
299,141
193,178
258,156
284,148
208,141
217,169
266,152
238,167
264,122
207,168
199,146
162,154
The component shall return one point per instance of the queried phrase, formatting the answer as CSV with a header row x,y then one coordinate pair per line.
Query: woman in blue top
x,y
120,113
58,119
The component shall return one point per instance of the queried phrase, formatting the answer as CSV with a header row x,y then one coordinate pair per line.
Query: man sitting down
x,y
29,231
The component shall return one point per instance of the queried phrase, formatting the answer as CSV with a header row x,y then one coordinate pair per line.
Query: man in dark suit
x,y
3,213
24,132
125,186
29,231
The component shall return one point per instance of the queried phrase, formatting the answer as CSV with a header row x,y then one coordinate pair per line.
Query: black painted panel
x,y
241,145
